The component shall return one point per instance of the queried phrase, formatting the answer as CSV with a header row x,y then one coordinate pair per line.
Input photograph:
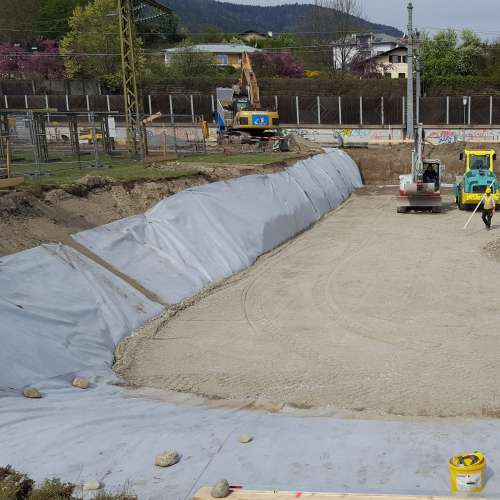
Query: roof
x,y
399,47
217,48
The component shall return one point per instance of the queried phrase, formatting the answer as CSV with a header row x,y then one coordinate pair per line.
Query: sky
x,y
480,15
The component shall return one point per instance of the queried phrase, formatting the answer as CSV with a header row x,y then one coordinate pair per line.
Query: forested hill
x,y
234,18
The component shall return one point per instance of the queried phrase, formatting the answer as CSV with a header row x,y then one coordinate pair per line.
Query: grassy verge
x,y
68,170
17,486
239,158
120,169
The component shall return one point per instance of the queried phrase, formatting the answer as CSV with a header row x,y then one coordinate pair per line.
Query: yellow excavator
x,y
239,110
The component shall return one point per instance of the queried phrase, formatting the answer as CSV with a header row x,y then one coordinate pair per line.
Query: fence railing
x,y
293,110
52,144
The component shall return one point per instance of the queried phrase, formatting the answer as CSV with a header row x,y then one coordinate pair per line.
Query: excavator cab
x,y
239,110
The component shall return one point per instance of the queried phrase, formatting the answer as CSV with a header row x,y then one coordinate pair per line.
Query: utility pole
x,y
410,120
418,75
132,98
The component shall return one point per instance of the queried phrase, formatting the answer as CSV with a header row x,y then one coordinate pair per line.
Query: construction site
x,y
223,303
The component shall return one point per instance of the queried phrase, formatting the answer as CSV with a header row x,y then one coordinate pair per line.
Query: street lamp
x,y
465,101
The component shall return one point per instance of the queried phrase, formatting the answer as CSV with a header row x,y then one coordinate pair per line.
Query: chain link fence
x,y
41,144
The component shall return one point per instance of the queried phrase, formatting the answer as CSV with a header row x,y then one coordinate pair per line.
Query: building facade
x,y
223,54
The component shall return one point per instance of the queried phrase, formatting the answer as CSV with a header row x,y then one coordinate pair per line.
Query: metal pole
x,y
410,124
94,140
171,108
447,110
192,108
319,109
491,110
340,110
418,84
360,110
382,110
470,105
297,109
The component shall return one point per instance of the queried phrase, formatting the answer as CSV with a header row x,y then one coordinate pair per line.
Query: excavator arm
x,y
248,81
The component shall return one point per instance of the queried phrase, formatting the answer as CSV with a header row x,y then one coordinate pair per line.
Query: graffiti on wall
x,y
347,135
452,136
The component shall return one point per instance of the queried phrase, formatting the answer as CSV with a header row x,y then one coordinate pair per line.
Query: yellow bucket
x,y
467,472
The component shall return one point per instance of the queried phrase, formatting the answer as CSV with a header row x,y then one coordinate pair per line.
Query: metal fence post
x,y
404,111
276,103
447,110
340,110
67,102
361,110
491,110
150,104
171,108
382,110
192,108
214,118
94,140
470,106
319,109
297,109
26,101
6,101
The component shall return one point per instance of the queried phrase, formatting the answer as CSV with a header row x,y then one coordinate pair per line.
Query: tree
x,y
283,40
187,62
164,29
443,57
280,64
92,45
368,68
18,16
13,60
337,21
53,19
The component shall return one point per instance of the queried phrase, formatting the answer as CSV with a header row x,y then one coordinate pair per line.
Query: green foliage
x,y
283,40
94,42
188,62
53,20
13,484
208,34
443,57
18,14
163,30
53,489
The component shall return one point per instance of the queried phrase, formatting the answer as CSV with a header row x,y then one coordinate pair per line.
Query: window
x,y
479,162
405,59
222,59
395,59
402,75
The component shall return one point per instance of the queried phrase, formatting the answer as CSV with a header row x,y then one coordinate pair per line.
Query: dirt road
x,y
369,311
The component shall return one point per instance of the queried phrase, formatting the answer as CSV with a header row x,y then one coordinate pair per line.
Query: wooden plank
x,y
204,494
11,182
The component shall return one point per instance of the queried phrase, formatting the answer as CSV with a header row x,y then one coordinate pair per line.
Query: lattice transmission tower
x,y
127,10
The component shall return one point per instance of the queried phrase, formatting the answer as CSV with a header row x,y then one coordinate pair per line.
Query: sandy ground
x,y
369,311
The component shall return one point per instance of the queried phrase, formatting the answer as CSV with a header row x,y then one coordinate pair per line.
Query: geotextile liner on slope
x,y
63,314
207,233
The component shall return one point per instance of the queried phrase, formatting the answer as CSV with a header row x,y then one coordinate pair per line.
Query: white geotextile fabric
x,y
106,434
207,233
61,315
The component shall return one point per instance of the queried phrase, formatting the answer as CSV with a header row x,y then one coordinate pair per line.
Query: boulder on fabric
x,y
207,233
62,315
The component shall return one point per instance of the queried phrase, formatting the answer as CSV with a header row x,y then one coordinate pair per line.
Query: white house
x,y
366,45
393,63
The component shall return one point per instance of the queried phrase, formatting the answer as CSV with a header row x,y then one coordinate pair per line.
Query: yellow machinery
x,y
479,174
239,109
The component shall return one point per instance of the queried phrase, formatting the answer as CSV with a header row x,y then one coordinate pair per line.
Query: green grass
x,y
67,170
120,169
239,158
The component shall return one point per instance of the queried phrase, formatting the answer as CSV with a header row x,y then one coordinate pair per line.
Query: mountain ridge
x,y
237,18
